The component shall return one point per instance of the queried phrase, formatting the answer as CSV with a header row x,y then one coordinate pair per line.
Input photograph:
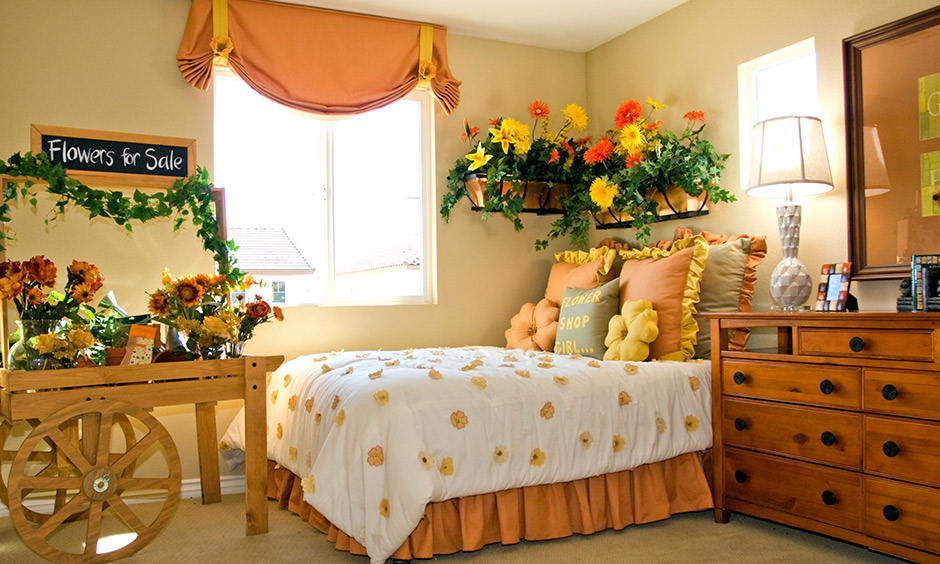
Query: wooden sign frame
x,y
133,141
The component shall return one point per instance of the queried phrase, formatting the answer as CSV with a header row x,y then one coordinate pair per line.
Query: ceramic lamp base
x,y
790,284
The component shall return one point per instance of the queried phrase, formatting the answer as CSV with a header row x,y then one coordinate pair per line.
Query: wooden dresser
x,y
836,429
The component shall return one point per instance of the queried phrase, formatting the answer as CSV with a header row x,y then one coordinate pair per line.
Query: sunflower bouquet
x,y
511,156
201,307
52,330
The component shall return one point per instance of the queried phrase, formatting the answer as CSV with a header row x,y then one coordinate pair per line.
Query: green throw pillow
x,y
583,320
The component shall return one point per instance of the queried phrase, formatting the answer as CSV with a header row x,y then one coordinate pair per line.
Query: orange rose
x,y
41,270
258,309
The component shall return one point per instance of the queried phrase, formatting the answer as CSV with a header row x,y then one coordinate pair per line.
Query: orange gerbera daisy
x,y
35,296
627,113
633,158
553,158
538,109
278,313
82,293
695,115
599,152
189,292
158,303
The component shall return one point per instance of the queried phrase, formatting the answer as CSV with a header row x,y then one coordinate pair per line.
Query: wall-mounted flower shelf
x,y
540,197
675,204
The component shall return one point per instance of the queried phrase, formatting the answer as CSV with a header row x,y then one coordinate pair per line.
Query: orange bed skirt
x,y
612,501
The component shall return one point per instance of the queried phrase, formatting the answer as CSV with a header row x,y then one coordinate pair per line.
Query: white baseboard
x,y
188,489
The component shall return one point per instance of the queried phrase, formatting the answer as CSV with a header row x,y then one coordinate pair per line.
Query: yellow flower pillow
x,y
670,281
583,270
534,327
629,334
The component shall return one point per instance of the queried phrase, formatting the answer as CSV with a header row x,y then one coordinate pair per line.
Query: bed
x,y
419,452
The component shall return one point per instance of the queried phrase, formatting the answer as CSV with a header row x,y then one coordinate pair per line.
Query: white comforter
x,y
377,435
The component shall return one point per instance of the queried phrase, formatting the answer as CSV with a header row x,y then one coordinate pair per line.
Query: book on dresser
x,y
835,429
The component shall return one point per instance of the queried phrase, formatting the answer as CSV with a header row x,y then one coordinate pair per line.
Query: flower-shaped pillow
x,y
629,334
534,327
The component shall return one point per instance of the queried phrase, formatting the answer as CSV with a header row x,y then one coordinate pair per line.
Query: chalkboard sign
x,y
116,158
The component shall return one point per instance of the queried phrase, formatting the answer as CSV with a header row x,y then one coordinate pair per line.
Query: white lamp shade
x,y
789,159
876,173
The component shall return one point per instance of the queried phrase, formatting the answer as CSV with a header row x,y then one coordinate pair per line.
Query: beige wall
x,y
110,65
688,58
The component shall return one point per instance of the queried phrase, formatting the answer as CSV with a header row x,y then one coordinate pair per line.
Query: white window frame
x,y
747,86
428,214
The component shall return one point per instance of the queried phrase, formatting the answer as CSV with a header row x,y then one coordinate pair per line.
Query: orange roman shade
x,y
318,60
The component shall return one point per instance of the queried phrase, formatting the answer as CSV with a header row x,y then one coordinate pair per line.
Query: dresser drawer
x,y
825,494
828,386
814,434
896,392
911,344
903,513
909,450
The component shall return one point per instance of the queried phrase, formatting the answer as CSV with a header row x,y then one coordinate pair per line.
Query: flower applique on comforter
x,y
377,435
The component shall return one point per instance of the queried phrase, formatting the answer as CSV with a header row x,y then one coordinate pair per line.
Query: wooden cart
x,y
91,432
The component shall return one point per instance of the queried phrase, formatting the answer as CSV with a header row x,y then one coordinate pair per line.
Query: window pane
x,y
787,88
377,209
267,157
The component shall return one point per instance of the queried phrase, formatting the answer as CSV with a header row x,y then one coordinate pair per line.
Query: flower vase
x,y
23,354
212,352
234,349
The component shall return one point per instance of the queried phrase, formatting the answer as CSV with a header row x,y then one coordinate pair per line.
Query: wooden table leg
x,y
208,442
256,449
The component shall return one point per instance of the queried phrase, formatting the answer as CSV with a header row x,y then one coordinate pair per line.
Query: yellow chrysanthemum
x,y
654,104
523,142
631,137
575,115
479,158
603,192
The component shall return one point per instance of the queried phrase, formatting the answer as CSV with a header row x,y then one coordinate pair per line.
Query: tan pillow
x,y
671,281
727,283
533,328
583,270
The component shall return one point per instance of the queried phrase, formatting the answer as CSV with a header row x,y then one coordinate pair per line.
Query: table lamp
x,y
789,160
876,173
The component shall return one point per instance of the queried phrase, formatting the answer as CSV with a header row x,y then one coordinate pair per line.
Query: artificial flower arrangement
x,y
53,325
511,156
621,173
201,307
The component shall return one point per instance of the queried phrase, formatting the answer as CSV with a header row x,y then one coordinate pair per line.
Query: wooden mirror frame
x,y
852,48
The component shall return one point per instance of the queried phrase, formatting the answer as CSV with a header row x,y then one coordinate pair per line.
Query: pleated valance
x,y
317,60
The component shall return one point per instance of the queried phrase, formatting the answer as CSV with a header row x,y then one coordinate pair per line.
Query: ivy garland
x,y
188,198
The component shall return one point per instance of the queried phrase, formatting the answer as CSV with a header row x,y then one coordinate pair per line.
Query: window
x,y
279,291
343,209
782,83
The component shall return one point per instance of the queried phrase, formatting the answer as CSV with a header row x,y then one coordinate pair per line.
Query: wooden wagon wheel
x,y
95,482
47,457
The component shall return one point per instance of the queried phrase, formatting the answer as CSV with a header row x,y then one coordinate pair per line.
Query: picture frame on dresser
x,y
833,291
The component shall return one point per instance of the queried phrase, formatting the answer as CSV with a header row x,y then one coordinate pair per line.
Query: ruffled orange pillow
x,y
534,327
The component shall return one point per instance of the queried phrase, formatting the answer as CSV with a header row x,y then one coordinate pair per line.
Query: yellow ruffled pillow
x,y
670,280
629,334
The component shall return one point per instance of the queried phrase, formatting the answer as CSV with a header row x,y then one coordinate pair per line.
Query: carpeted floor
x,y
210,534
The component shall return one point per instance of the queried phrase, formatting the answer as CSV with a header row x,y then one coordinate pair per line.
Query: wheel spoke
x,y
61,515
67,448
50,483
94,527
135,451
134,484
104,438
124,512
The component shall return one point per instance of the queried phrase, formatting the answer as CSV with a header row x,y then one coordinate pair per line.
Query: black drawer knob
x,y
856,344
828,438
889,392
826,387
740,476
891,513
740,424
738,377
828,497
890,449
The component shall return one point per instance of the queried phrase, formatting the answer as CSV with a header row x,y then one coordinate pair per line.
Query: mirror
x,y
892,117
